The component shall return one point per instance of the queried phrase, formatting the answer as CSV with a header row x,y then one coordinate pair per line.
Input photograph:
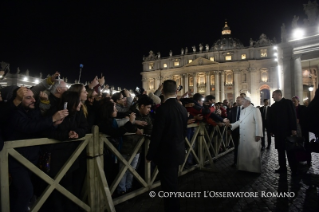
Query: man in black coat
x,y
283,123
233,116
264,113
25,123
167,146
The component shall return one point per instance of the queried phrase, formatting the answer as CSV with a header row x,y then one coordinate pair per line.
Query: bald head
x,y
277,95
58,89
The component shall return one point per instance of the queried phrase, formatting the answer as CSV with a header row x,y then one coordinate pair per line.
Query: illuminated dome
x,y
227,42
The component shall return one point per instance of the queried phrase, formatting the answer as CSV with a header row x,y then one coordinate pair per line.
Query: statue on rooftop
x,y
294,23
207,47
186,50
170,53
158,55
200,47
182,51
194,48
311,10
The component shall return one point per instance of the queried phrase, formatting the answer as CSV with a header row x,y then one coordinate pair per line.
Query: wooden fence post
x,y
91,174
4,180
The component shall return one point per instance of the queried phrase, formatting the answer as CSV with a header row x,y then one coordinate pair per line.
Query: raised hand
x,y
54,76
61,114
22,91
43,96
94,82
101,81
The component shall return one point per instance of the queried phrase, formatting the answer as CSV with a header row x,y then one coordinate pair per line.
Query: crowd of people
x,y
51,109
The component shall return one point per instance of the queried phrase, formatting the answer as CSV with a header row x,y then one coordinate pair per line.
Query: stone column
x,y
145,83
195,82
254,91
298,78
157,82
185,76
207,83
222,86
216,73
288,87
182,83
236,83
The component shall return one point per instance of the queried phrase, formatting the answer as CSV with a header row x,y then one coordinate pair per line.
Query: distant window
x,y
228,57
165,65
212,59
243,56
150,66
263,52
176,63
189,61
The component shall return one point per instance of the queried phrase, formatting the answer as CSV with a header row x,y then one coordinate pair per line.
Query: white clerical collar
x,y
170,98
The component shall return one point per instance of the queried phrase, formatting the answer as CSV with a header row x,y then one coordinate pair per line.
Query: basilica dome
x,y
226,42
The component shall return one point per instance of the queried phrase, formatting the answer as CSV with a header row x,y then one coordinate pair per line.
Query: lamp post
x,y
81,66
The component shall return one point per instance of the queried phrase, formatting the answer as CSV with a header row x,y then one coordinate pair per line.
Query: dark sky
x,y
111,37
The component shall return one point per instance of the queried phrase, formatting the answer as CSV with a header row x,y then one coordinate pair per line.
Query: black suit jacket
x,y
262,112
167,146
232,115
282,117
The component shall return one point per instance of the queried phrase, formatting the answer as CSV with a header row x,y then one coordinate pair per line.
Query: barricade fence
x,y
205,146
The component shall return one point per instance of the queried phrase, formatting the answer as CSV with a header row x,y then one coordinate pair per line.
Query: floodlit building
x,y
228,68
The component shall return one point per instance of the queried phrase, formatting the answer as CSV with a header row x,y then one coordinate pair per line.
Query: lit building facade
x,y
229,68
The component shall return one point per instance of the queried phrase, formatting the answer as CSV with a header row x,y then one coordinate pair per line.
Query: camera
x,y
138,91
179,88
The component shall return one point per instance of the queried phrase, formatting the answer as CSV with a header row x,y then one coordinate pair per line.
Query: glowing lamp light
x,y
276,59
275,54
298,33
25,79
81,65
36,81
275,47
203,99
310,88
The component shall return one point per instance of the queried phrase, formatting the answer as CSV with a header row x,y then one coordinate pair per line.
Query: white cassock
x,y
250,123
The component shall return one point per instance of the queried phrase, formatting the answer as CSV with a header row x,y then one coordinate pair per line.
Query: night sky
x,y
111,37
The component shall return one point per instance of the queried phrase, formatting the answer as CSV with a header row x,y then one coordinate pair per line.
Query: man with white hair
x,y
56,91
250,132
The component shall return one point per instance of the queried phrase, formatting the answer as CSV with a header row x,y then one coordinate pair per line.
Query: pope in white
x,y
250,132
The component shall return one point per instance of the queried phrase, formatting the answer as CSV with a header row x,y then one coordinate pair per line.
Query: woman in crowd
x,y
108,125
73,126
123,103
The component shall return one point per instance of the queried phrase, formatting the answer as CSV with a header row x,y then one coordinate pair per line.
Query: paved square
x,y
228,179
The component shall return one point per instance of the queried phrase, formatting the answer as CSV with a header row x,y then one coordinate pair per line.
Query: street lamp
x,y
81,66
298,33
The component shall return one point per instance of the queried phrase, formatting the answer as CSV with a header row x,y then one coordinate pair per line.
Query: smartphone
x,y
179,88
65,106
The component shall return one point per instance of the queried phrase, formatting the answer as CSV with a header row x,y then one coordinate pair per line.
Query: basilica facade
x,y
228,68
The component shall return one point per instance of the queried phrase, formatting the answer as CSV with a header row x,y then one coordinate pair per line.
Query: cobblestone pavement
x,y
228,179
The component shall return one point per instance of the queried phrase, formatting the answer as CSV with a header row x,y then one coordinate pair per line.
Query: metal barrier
x,y
96,190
